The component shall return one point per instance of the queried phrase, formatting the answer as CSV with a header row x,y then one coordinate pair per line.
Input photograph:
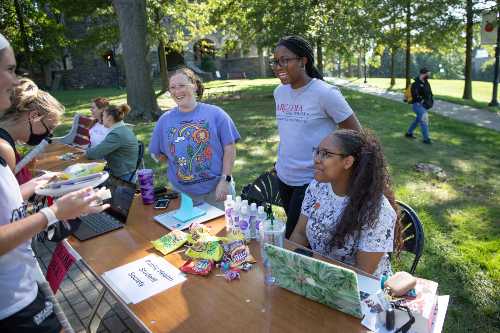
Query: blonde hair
x,y
27,97
117,112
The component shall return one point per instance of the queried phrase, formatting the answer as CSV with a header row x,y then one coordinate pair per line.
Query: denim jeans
x,y
421,119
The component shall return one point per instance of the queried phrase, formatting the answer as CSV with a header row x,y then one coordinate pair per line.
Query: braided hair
x,y
302,48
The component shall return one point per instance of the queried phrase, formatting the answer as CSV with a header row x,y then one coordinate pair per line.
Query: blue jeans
x,y
422,119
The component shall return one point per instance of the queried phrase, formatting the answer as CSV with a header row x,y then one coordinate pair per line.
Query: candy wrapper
x,y
237,253
170,242
198,267
211,250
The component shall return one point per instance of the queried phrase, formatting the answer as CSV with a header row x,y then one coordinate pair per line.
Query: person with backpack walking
x,y
421,100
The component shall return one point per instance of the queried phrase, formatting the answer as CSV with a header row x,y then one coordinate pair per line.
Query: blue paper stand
x,y
187,211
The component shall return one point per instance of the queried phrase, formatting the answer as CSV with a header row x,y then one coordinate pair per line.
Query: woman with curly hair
x,y
198,140
349,211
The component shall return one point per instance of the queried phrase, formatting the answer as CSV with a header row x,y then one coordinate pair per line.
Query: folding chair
x,y
413,233
140,160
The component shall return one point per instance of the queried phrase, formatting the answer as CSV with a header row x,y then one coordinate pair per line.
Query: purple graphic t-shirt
x,y
194,145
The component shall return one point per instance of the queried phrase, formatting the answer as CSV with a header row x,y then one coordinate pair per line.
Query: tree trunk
x,y
408,44
132,23
340,65
393,64
163,66
468,52
262,62
349,66
319,49
359,65
24,36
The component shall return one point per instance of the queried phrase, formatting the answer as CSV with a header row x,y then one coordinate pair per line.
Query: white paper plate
x,y
57,192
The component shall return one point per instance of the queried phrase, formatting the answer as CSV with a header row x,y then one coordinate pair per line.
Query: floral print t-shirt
x,y
194,145
323,209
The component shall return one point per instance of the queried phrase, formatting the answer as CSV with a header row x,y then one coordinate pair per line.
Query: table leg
x,y
94,308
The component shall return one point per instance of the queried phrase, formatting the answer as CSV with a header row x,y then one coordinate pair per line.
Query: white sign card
x,y
143,278
489,28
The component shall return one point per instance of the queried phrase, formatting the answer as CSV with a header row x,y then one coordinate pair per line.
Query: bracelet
x,y
49,215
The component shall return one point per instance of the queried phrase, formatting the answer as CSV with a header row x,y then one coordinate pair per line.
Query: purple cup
x,y
146,185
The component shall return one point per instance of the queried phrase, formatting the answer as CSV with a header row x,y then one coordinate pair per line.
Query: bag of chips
x,y
237,253
198,267
211,250
170,242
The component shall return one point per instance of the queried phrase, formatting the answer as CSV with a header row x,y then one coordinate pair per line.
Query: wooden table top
x,y
202,304
50,158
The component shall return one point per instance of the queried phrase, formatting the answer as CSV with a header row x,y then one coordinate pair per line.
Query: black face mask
x,y
35,139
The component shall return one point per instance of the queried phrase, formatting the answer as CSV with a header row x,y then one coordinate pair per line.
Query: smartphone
x,y
161,203
304,252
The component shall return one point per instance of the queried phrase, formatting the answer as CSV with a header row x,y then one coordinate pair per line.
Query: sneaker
x,y
409,136
427,142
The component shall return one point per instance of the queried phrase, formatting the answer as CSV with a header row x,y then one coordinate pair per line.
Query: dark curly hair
x,y
368,182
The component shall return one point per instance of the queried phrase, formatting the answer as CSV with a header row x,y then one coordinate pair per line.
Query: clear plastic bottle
x,y
253,218
236,212
244,221
228,210
261,217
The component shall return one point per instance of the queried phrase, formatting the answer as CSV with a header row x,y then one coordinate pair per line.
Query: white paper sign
x,y
143,278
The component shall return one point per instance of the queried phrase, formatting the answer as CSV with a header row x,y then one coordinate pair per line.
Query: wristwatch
x,y
228,178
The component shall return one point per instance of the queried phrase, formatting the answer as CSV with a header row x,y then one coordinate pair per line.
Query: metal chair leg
x,y
94,309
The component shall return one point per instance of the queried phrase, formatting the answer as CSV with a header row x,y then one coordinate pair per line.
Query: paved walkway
x,y
79,292
464,113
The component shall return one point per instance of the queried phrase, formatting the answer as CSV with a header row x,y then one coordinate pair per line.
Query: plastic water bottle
x,y
244,221
253,218
32,154
228,210
261,217
236,212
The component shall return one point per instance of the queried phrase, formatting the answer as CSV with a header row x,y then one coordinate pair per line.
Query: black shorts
x,y
38,317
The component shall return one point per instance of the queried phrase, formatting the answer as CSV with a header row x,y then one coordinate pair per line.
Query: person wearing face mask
x,y
422,100
307,109
32,117
23,307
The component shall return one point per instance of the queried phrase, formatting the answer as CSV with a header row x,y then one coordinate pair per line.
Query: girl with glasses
x,y
349,210
307,109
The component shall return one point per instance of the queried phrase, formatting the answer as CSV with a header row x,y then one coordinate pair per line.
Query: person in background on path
x,y
349,210
33,116
23,308
198,141
422,100
120,147
98,131
307,109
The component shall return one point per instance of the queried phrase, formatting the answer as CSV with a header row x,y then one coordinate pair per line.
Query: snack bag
x,y
198,267
83,169
237,253
211,250
170,242
200,233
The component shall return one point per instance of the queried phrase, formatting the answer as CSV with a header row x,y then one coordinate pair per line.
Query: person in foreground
x,y
120,147
349,210
307,109
32,117
198,141
23,308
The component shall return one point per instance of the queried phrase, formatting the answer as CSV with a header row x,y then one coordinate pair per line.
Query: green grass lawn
x,y
461,215
448,90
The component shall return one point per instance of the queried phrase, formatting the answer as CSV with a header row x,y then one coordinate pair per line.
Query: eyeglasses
x,y
283,62
323,154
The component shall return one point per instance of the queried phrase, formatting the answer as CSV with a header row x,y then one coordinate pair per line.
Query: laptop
x,y
113,218
323,282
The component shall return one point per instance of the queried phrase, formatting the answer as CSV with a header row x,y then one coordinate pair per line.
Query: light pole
x,y
494,101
